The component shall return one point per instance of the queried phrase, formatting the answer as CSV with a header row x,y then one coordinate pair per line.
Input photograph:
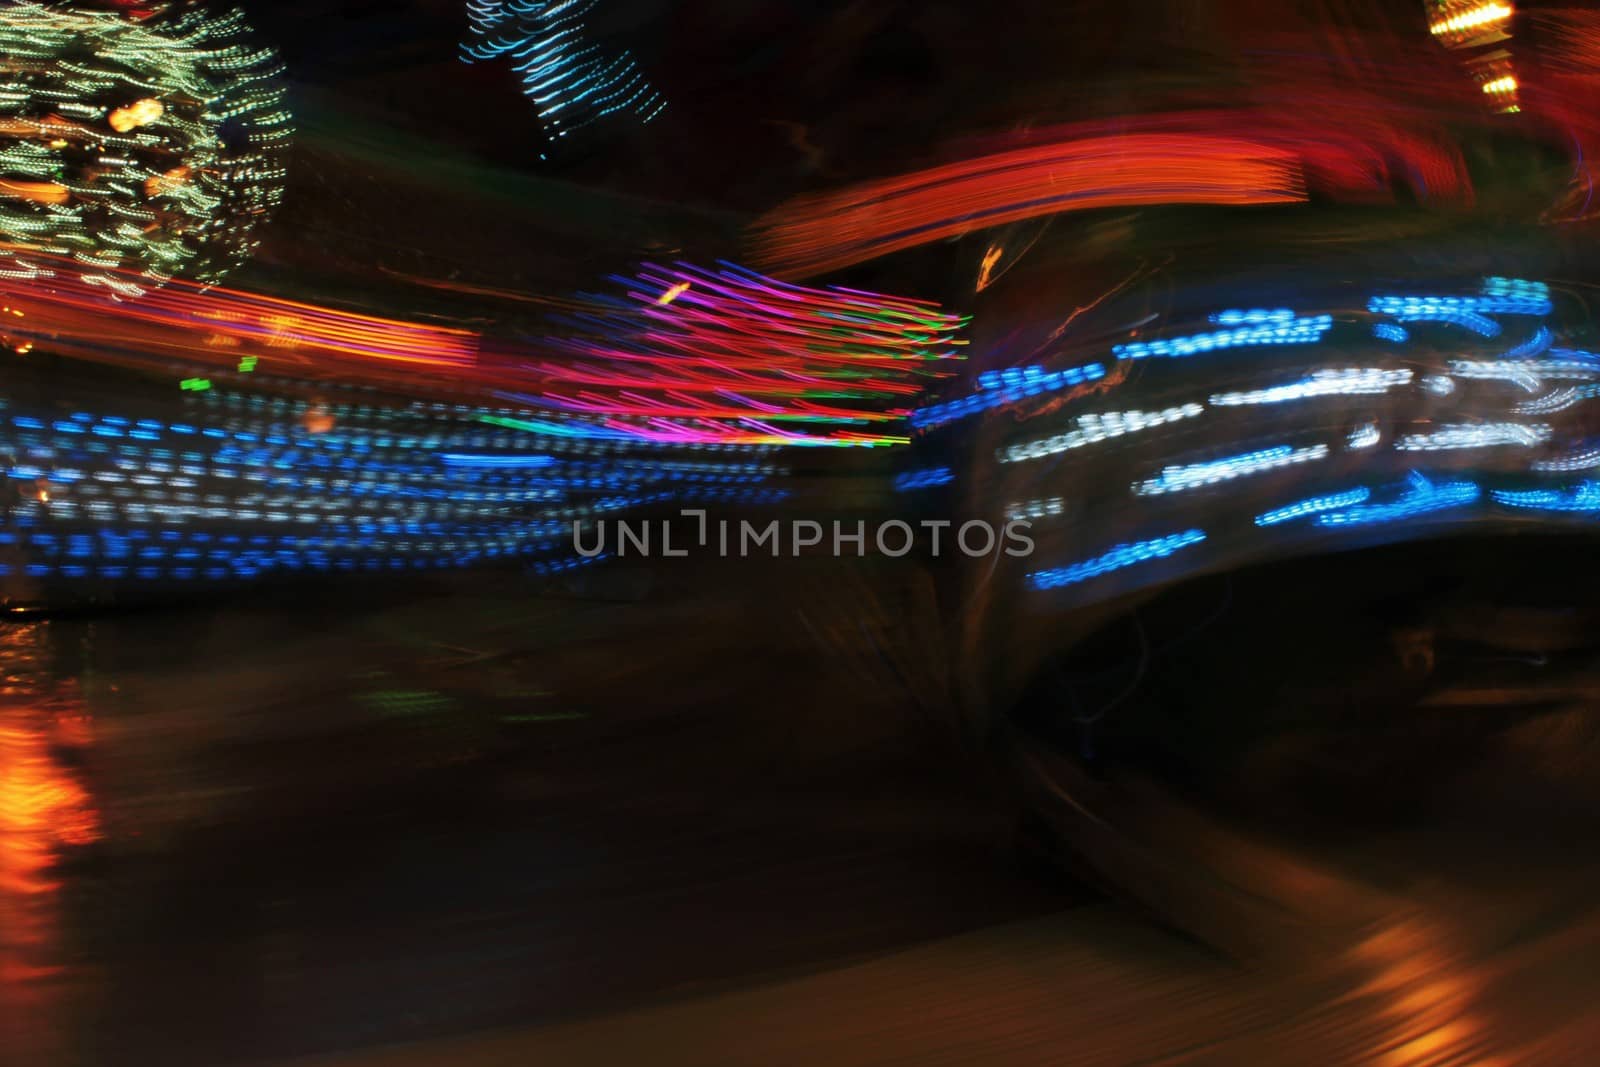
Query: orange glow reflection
x,y
1428,992
44,808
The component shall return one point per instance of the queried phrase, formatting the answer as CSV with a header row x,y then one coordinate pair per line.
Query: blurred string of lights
x,y
1124,555
245,484
1363,437
1340,382
929,478
1558,400
1420,497
1580,459
1008,391
1479,30
675,388
1092,429
572,81
134,152
1496,299
1295,331
1536,344
1033,510
1576,356
1468,320
1487,431
1475,435
1176,479
1468,312
1583,497
1266,327
1253,317
1528,374
1462,23
1314,505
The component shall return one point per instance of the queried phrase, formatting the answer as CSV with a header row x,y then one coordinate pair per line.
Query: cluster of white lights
x,y
1486,435
1582,460
1364,436
1044,508
1345,382
1093,429
1529,374
1558,400
1194,475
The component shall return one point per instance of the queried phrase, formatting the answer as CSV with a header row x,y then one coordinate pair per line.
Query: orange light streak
x,y
990,258
815,234
1351,144
37,192
73,314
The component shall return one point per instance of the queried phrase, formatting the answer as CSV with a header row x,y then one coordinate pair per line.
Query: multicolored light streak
x,y
737,357
734,357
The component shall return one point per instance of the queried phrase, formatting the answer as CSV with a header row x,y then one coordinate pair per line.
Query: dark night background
x,y
677,815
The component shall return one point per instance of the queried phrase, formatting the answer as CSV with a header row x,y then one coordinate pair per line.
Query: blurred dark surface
x,y
325,824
